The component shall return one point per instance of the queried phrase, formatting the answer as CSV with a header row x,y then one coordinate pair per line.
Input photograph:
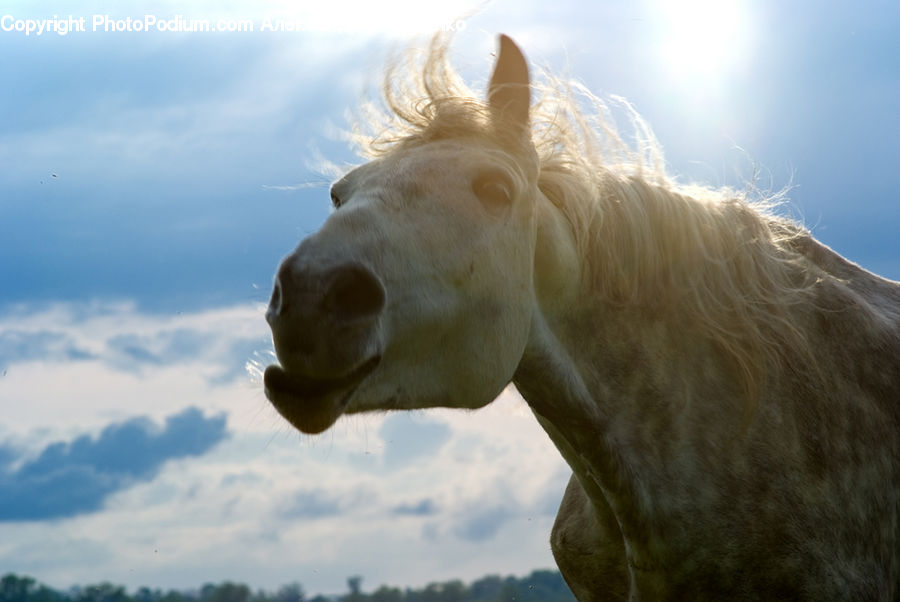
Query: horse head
x,y
418,291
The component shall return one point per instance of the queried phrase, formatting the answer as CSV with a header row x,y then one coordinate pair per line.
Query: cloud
x,y
20,345
315,503
333,501
425,507
133,350
119,338
76,477
409,437
484,524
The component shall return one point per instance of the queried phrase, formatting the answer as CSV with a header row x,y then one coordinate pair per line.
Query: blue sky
x,y
150,182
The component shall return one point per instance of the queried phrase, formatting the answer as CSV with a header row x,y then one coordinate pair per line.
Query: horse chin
x,y
312,404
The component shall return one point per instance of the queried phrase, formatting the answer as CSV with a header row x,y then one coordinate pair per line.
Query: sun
x,y
702,39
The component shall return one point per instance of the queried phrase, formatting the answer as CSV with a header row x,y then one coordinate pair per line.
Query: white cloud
x,y
127,364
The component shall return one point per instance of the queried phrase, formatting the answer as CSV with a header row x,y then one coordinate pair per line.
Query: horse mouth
x,y
312,404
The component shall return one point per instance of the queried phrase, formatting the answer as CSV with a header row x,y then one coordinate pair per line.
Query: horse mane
x,y
718,260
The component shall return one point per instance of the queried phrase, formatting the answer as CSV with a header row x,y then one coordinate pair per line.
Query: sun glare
x,y
702,39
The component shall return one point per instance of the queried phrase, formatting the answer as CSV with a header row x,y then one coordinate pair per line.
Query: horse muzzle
x,y
325,327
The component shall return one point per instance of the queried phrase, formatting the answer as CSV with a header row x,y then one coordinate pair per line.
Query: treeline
x,y
539,586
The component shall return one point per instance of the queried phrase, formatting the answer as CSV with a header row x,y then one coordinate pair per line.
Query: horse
x,y
725,388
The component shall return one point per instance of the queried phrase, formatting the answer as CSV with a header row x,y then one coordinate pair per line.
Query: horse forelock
x,y
715,259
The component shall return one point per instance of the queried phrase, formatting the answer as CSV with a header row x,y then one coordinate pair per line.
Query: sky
x,y
151,179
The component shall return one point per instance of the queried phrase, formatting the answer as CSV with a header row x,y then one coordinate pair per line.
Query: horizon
x,y
290,588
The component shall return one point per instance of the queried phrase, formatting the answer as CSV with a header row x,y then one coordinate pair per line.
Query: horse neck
x,y
651,417
632,396
610,380
611,384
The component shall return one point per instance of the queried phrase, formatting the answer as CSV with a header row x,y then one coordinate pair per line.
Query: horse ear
x,y
509,94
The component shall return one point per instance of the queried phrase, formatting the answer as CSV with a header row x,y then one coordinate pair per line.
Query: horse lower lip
x,y
312,405
280,383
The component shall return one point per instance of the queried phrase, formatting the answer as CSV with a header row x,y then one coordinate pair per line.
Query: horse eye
x,y
493,189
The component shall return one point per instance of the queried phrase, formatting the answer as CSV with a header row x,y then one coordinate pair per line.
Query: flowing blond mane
x,y
717,259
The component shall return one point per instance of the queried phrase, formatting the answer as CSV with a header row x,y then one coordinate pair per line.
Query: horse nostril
x,y
353,292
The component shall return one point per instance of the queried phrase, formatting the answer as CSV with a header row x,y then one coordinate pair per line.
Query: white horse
x,y
725,388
